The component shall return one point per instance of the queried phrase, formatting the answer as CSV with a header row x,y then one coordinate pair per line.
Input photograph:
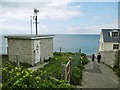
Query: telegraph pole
x,y
31,24
36,11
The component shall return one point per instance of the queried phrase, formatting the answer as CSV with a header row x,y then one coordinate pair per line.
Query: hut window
x,y
115,46
115,34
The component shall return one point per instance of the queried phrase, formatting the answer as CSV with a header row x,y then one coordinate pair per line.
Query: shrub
x,y
117,70
84,59
77,75
25,65
57,53
21,78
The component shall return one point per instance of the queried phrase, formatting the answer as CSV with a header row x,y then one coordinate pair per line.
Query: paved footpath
x,y
40,65
99,76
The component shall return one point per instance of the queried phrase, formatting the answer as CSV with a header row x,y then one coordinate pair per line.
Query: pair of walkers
x,y
98,57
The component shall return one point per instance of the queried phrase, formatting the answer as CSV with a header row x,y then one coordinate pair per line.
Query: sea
x,y
67,42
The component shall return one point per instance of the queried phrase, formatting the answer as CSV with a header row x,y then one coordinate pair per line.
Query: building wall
x,y
112,58
107,46
101,42
109,56
22,48
46,48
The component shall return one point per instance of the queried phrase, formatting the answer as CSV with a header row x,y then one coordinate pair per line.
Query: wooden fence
x,y
66,71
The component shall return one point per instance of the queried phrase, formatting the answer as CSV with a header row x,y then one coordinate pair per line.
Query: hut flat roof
x,y
29,36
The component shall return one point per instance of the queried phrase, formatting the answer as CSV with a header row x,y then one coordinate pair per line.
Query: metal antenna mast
x,y
31,24
35,11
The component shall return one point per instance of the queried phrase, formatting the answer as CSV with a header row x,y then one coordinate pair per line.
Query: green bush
x,y
77,71
84,59
77,75
117,70
63,53
20,78
25,65
57,53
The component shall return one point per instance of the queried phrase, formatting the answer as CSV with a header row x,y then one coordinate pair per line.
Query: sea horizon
x,y
88,43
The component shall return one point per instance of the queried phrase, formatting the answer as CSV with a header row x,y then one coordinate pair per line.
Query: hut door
x,y
37,51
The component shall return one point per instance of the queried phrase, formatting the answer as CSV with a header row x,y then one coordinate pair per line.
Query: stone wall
x,y
46,48
111,58
22,48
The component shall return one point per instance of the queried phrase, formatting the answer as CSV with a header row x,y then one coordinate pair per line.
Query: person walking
x,y
99,57
93,57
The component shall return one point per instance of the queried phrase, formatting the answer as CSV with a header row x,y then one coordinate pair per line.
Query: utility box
x,y
31,49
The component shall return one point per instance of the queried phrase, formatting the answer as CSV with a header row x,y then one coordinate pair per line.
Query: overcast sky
x,y
58,16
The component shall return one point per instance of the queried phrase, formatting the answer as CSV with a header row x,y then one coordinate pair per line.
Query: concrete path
x,y
99,76
40,65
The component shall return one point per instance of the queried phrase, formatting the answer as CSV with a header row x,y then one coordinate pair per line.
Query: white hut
x,y
30,49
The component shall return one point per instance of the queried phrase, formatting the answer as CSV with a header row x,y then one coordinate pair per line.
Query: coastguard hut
x,y
29,48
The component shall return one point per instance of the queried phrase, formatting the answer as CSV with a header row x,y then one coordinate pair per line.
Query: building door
x,y
37,50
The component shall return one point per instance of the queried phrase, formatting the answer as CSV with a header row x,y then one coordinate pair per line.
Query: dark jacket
x,y
99,57
93,56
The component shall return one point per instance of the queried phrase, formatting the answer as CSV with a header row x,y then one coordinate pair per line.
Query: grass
x,y
77,70
53,69
24,65
117,71
54,66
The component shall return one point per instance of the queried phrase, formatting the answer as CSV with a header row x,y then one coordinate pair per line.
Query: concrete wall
x,y
107,46
46,48
101,42
25,50
111,58
22,48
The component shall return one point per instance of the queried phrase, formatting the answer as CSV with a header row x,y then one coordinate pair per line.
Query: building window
x,y
115,34
115,46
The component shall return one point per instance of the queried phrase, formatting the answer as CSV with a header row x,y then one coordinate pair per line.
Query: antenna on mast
x,y
35,18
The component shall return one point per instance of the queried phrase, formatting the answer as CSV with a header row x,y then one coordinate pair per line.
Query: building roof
x,y
32,37
108,38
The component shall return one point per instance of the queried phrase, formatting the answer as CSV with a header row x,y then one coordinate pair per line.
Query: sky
x,y
58,16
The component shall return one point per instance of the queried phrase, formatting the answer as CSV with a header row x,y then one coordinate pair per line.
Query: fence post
x,y
60,49
70,68
66,71
17,60
62,71
80,51
80,56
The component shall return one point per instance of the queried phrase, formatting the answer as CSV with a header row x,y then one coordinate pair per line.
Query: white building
x,y
109,40
109,46
30,49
